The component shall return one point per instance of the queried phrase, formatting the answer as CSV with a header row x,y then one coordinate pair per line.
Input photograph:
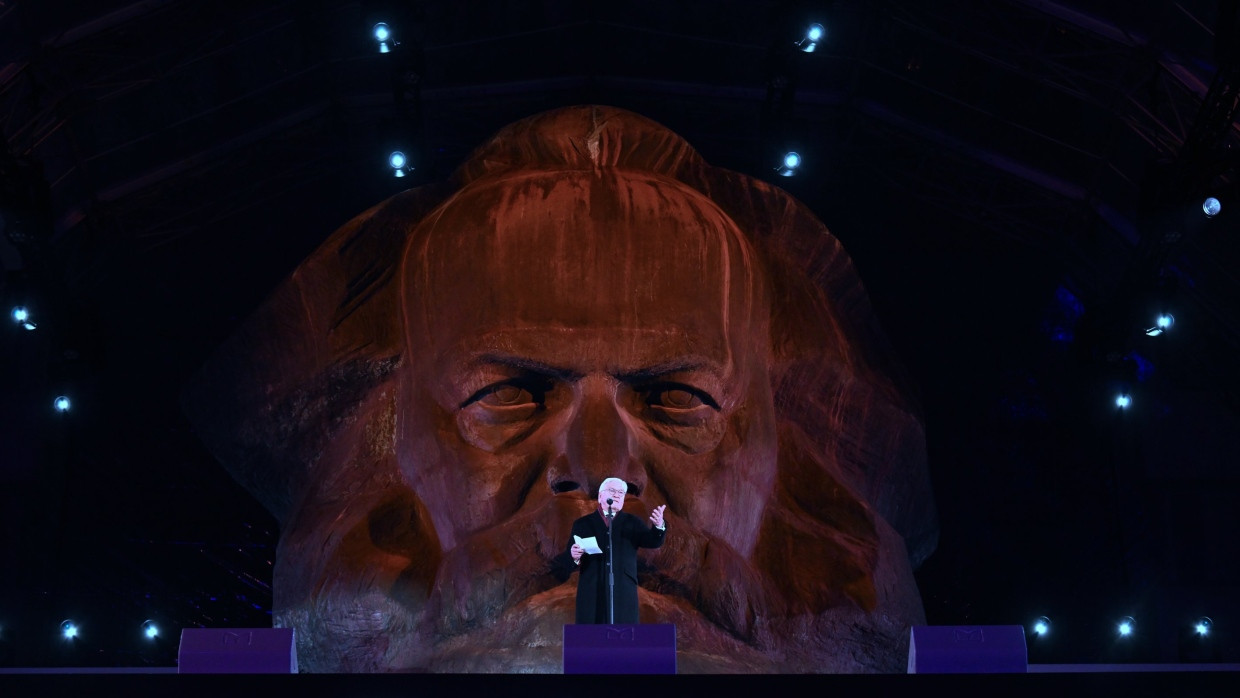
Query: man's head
x,y
611,494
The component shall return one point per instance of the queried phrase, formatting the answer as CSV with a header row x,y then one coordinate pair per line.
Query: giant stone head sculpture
x,y
432,398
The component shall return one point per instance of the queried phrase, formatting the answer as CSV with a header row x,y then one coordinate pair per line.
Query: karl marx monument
x,y
433,397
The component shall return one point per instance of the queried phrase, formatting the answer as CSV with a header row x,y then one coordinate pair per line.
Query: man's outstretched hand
x,y
656,516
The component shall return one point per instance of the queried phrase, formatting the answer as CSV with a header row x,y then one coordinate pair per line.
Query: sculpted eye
x,y
512,393
508,395
682,415
507,411
676,396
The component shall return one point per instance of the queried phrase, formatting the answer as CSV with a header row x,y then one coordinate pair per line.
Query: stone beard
x,y
560,324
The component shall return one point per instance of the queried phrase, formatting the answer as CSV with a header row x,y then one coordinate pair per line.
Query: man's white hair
x,y
621,483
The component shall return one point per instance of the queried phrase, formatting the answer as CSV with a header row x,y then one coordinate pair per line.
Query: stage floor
x,y
1043,681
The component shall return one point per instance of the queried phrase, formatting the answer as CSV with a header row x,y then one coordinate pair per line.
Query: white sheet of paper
x,y
590,545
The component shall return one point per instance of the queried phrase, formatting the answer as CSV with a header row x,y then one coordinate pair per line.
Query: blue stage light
x,y
1041,626
382,33
61,404
1127,626
68,629
813,35
1203,626
150,630
1162,323
399,163
1211,207
790,164
1123,400
21,316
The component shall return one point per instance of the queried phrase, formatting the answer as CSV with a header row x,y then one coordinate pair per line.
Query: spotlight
x,y
1123,400
149,629
68,629
813,34
790,164
1203,625
382,34
61,404
1162,323
22,317
1211,207
399,163
1041,626
1127,626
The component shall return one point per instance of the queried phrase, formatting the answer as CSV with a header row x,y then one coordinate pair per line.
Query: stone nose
x,y
599,441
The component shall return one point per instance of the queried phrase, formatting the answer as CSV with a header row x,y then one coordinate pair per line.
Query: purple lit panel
x,y
620,649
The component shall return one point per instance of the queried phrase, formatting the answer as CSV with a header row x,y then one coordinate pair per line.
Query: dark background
x,y
1018,183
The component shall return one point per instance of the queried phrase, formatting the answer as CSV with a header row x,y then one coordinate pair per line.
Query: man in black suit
x,y
618,535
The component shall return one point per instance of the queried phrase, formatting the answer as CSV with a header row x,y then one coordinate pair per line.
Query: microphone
x,y
609,513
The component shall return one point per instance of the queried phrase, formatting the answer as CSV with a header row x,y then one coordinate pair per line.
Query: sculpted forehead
x,y
581,251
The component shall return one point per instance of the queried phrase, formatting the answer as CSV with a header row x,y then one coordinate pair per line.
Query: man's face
x,y
611,497
570,328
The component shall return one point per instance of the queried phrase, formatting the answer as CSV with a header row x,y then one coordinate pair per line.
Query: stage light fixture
x,y
1162,323
1041,626
813,34
789,165
61,404
1127,626
150,630
399,163
68,629
383,33
1211,207
1123,400
21,316
1203,626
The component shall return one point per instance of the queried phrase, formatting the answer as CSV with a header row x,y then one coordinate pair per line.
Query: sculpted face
x,y
434,397
628,339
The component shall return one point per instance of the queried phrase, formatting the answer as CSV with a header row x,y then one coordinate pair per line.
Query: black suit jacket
x,y
630,533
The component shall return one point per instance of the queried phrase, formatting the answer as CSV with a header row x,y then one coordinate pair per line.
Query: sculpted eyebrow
x,y
525,364
656,371
646,373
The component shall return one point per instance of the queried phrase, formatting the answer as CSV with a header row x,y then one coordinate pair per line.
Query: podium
x,y
963,649
237,651
620,649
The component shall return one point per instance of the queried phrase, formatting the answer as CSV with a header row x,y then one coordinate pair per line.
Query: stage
x,y
1041,680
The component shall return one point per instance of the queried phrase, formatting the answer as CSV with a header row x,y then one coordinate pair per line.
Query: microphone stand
x,y
611,566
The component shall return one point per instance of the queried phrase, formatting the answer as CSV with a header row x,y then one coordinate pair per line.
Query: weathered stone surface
x,y
429,401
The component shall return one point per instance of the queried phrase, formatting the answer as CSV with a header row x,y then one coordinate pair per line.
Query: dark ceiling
x,y
1018,182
